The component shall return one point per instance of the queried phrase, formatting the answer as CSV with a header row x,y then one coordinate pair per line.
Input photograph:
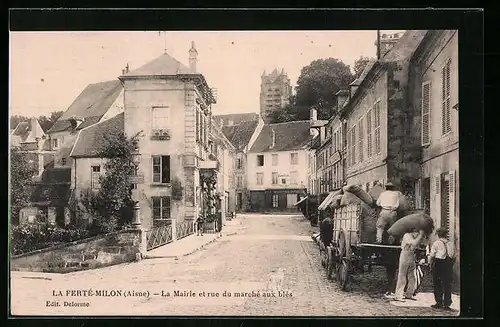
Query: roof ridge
x,y
288,122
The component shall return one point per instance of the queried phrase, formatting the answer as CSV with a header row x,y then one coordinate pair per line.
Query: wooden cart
x,y
348,254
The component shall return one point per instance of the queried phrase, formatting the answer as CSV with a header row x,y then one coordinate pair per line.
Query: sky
x,y
48,70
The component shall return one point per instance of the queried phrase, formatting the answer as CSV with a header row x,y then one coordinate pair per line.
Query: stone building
x,y
275,91
235,119
277,166
242,136
434,92
381,139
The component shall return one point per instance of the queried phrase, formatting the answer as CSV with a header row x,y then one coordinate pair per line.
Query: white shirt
x,y
440,248
388,200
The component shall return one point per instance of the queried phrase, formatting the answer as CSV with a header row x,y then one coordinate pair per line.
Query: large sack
x,y
419,221
336,201
360,193
369,218
375,191
349,198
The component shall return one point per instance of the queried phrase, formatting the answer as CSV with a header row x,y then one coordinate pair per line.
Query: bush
x,y
30,237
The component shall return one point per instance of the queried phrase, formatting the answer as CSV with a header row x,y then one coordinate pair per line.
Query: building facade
x,y
275,91
435,95
277,166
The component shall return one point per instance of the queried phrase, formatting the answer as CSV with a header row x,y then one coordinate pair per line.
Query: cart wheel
x,y
343,274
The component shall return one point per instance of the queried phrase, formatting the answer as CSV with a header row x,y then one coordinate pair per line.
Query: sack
x,y
375,192
419,221
369,218
336,201
349,198
360,193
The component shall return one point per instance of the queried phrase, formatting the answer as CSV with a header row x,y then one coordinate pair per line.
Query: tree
x,y
15,120
112,204
47,122
316,87
21,173
359,65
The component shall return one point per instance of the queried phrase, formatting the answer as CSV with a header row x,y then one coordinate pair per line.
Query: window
x,y
446,99
293,177
161,169
426,113
274,158
360,136
447,200
260,160
55,143
275,178
197,115
275,201
63,161
161,207
294,158
369,149
376,112
239,163
260,178
161,117
96,173
283,181
239,181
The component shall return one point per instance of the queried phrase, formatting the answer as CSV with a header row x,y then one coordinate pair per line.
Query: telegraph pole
x,y
378,44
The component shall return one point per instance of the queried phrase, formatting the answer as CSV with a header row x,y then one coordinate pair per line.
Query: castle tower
x,y
275,91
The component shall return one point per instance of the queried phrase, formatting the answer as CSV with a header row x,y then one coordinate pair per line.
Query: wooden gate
x,y
184,228
158,236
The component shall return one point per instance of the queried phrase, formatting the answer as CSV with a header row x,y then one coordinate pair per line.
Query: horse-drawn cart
x,y
352,250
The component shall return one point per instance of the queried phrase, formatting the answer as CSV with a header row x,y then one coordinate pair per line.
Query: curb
x,y
184,254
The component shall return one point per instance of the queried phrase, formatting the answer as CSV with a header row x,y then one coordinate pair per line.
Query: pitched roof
x,y
288,136
236,118
164,65
406,45
91,138
365,71
239,135
91,104
26,131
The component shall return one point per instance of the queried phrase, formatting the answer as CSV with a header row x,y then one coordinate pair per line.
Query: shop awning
x,y
326,202
302,200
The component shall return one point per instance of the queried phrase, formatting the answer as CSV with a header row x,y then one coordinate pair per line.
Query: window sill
x,y
160,184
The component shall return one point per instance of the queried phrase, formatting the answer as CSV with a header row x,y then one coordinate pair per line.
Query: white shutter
x,y
451,204
426,107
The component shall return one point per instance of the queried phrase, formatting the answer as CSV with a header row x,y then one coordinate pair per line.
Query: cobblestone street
x,y
267,251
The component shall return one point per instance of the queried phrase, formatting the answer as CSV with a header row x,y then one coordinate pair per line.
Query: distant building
x,y
242,136
387,41
275,91
235,119
277,166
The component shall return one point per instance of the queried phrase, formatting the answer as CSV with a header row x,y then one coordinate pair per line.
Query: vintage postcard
x,y
234,173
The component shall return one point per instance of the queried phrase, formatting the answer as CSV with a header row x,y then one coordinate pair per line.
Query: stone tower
x,y
275,91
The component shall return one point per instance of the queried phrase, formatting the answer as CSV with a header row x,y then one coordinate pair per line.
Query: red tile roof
x,y
91,138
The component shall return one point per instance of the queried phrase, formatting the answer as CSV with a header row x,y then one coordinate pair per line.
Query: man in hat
x,y
389,203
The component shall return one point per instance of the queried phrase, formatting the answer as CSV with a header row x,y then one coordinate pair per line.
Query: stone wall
x,y
95,252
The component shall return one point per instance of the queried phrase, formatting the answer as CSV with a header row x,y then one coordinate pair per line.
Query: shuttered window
x,y
348,148
418,194
376,112
445,201
446,99
360,139
353,144
426,113
369,148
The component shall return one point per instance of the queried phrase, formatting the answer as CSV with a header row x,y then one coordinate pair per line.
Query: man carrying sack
x,y
389,202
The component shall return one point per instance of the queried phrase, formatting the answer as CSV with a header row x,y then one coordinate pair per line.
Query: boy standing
x,y
199,225
440,259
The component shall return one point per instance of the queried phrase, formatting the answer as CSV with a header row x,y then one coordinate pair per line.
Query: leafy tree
x,y
47,122
112,204
359,65
21,173
16,119
316,87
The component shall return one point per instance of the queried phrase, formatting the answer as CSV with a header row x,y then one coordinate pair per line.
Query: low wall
x,y
95,252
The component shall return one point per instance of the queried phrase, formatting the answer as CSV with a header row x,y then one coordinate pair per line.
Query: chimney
x,y
193,57
313,115
273,139
125,70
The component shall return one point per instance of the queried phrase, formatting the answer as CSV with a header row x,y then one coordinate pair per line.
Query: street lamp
x,y
136,160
